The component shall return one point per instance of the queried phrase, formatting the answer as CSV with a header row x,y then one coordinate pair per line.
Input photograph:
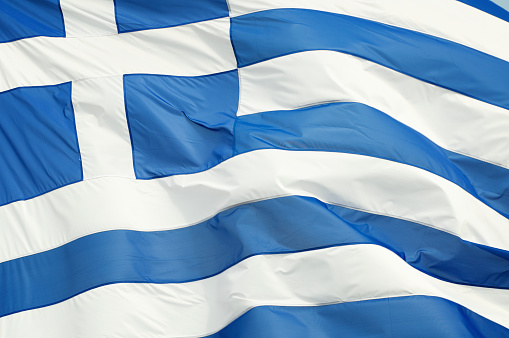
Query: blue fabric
x,y
281,225
180,125
134,15
269,34
21,19
488,7
359,129
415,316
38,142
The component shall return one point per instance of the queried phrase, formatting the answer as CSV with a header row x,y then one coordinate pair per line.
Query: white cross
x,y
95,58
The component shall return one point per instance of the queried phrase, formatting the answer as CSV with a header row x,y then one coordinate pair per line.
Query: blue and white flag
x,y
254,168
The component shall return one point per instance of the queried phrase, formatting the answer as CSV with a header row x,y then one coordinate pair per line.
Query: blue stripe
x,y
180,125
20,19
504,4
415,316
488,7
135,15
282,225
38,142
183,125
264,35
359,129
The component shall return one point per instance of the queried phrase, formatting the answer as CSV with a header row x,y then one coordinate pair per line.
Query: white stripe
x,y
451,120
362,182
195,49
101,125
448,19
88,18
333,275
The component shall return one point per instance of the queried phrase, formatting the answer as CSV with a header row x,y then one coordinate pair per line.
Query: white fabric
x,y
101,125
361,182
451,120
88,18
191,50
94,58
447,19
333,275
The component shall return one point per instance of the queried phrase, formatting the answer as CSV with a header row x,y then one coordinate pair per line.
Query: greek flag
x,y
254,168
